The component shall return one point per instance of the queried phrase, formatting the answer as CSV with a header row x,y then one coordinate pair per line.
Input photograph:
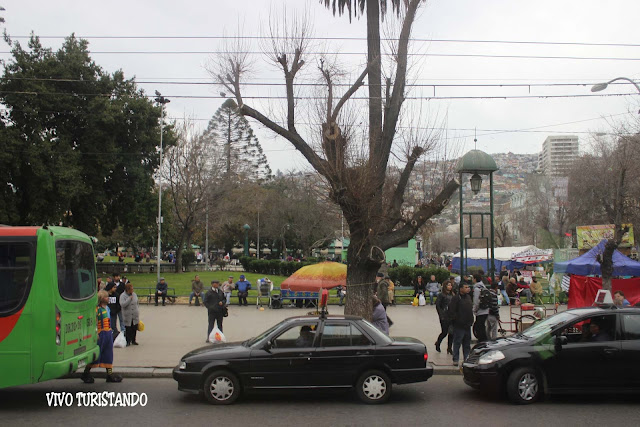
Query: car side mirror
x,y
560,340
268,345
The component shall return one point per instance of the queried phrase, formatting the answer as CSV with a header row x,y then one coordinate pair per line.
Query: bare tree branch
x,y
426,211
300,144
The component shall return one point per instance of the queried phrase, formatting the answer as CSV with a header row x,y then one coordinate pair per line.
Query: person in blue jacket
x,y
243,286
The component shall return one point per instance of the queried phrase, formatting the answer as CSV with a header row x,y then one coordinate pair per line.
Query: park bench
x,y
150,293
396,297
295,296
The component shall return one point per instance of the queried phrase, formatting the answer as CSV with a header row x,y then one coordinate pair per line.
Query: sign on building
x,y
590,235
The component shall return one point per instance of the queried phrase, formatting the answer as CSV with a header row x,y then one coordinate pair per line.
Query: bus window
x,y
76,279
15,274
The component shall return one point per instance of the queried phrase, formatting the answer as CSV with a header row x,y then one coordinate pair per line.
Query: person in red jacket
x,y
524,289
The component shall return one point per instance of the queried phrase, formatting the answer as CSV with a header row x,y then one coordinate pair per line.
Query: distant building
x,y
558,152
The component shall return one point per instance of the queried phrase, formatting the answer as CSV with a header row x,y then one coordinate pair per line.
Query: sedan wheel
x,y
221,388
374,387
523,386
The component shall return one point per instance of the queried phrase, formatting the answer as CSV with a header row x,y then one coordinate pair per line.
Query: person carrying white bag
x,y
215,300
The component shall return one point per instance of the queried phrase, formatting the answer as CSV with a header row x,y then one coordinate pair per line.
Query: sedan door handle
x,y
611,350
304,354
362,353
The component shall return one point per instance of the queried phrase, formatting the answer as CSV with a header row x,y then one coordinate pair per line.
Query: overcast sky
x,y
582,22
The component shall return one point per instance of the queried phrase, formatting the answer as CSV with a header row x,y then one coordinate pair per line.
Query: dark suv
x,y
585,350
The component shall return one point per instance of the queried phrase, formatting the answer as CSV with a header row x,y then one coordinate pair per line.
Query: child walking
x,y
105,342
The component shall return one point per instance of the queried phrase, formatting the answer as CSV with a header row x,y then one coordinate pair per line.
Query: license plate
x,y
82,363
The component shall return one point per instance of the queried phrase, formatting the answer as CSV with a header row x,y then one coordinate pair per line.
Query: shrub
x,y
404,275
188,257
245,261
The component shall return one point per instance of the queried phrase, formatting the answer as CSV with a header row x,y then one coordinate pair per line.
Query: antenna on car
x,y
324,298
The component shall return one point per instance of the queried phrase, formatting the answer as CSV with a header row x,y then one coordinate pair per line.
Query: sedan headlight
x,y
183,365
490,357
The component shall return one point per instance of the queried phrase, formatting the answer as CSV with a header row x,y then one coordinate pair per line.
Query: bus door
x,y
17,261
75,308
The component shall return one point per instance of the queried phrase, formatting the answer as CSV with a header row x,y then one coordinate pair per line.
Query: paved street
x,y
173,330
443,400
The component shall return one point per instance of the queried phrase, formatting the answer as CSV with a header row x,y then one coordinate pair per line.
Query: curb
x,y
156,372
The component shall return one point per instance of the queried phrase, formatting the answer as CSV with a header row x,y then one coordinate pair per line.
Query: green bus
x,y
47,303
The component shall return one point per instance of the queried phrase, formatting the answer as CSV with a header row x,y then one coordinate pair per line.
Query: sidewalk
x,y
174,330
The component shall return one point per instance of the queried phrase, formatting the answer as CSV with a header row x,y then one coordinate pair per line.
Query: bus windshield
x,y
76,273
16,267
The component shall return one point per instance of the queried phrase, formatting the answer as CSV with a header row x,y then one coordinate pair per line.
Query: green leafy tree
x,y
240,154
82,143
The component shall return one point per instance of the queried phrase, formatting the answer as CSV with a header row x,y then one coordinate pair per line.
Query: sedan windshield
x,y
546,326
263,335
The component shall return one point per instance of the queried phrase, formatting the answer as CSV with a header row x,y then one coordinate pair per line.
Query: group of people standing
x,y
462,306
122,304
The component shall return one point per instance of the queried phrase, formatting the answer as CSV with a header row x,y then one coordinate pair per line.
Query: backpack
x,y
485,298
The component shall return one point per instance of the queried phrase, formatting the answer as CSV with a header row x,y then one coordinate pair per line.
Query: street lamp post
x,y
602,86
162,101
477,163
246,239
206,232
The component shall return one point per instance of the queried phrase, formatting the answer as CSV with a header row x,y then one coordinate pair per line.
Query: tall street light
x,y
603,86
246,239
162,101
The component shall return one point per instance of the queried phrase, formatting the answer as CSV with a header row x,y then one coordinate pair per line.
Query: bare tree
x,y
188,172
603,189
357,172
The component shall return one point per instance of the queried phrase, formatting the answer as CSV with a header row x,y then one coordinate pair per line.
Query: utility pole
x,y
162,101
206,238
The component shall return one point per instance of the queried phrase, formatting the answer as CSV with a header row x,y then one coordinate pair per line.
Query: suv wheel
x,y
374,387
221,388
524,386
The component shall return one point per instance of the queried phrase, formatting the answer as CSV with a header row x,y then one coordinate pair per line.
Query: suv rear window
x,y
16,268
76,271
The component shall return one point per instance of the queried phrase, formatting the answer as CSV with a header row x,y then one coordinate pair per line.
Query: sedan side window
x,y
342,335
631,326
299,335
593,329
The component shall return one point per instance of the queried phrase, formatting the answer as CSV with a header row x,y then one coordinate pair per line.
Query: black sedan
x,y
306,353
586,350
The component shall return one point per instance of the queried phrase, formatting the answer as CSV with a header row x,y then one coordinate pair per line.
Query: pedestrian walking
x,y
227,288
493,318
129,304
105,342
243,286
379,316
442,307
461,317
215,302
341,294
502,287
196,290
481,300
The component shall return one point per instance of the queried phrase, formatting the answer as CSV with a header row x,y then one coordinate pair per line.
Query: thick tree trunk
x,y
361,275
606,266
184,236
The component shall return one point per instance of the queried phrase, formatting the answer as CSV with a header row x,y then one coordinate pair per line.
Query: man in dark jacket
x,y
461,315
161,290
214,300
114,306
